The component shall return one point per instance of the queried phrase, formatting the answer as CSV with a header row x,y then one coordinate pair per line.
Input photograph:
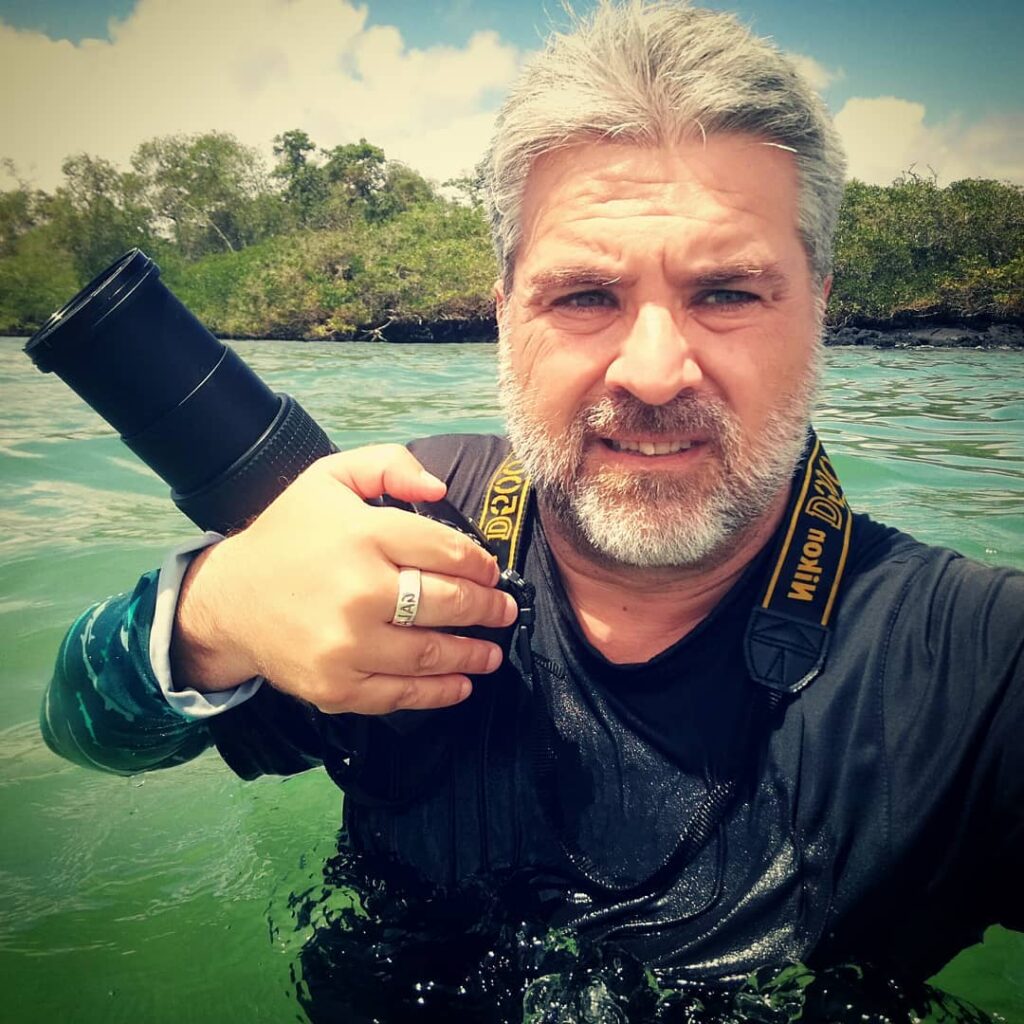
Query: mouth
x,y
650,448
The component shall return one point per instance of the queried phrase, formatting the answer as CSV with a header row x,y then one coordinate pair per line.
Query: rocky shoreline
x,y
933,335
901,333
874,334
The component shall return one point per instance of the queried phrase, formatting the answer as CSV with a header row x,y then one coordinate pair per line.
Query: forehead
x,y
712,198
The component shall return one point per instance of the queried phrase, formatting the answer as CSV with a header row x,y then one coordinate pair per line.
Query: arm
x,y
104,707
303,596
954,722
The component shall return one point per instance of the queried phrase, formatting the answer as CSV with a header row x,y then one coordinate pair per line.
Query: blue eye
x,y
727,297
594,299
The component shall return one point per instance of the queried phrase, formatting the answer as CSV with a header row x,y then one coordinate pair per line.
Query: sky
x,y
929,85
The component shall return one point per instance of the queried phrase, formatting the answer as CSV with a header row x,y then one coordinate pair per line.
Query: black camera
x,y
193,410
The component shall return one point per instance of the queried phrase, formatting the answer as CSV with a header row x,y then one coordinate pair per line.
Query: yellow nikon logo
x,y
818,551
808,571
827,504
504,502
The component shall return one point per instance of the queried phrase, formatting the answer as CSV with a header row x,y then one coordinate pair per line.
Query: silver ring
x,y
408,601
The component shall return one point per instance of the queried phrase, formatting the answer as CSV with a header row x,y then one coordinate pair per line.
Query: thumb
x,y
384,469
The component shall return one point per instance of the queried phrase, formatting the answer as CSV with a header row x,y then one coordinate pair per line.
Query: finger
x,y
425,652
453,601
382,694
412,540
384,469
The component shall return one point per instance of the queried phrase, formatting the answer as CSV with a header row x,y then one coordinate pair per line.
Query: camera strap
x,y
787,635
786,640
505,512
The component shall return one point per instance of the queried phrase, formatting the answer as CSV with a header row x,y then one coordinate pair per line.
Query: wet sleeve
x,y
104,708
112,704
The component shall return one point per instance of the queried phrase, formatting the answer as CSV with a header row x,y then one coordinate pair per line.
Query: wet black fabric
x,y
879,815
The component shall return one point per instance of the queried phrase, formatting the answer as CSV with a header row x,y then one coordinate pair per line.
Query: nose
x,y
655,361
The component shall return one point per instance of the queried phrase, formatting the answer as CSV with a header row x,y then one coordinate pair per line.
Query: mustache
x,y
686,413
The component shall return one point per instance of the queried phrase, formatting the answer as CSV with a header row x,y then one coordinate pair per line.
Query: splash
x,y
378,948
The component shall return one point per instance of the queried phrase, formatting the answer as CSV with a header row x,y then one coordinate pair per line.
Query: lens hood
x,y
183,401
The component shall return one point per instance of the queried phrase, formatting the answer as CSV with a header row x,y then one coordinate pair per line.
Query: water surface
x,y
159,898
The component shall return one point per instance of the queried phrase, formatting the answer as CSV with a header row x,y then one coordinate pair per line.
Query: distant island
x,y
346,245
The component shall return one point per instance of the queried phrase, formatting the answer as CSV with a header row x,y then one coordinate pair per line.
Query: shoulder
x,y
464,462
894,578
932,634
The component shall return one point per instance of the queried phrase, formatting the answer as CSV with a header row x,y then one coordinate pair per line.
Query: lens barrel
x,y
184,402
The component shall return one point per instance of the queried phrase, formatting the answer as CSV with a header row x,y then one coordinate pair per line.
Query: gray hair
x,y
656,73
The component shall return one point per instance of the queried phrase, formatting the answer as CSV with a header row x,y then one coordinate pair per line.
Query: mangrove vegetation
x,y
344,243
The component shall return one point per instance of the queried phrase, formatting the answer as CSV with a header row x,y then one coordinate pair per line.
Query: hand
x,y
305,594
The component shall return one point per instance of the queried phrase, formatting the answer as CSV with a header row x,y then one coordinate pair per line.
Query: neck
x,y
631,614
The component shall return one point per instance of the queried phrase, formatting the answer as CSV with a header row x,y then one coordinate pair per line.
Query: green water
x,y
159,898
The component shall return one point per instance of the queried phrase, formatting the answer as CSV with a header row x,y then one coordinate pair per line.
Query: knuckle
x,y
329,706
334,646
429,656
325,699
499,605
474,658
390,453
472,561
361,601
462,601
460,549
406,697
311,472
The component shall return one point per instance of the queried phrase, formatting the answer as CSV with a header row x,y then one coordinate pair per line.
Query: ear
x,y
498,291
826,288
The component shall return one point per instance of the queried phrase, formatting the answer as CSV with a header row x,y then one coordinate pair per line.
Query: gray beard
x,y
651,520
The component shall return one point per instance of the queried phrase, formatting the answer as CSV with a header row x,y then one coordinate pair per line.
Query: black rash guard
x,y
878,815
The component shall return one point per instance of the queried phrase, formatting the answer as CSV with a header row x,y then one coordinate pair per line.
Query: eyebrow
x,y
719,276
569,277
736,273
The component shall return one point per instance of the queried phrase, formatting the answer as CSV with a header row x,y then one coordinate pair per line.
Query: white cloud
x,y
253,68
259,67
885,136
819,76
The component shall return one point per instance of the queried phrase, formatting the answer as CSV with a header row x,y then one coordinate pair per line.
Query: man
x,y
749,728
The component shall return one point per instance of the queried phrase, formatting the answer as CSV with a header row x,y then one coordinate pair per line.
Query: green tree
x,y
209,192
365,183
913,246
18,213
37,277
403,190
986,219
292,148
306,188
469,188
357,174
98,213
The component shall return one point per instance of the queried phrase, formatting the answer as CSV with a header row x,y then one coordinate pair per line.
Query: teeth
x,y
650,447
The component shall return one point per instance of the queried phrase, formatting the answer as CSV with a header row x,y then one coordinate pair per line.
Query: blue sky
x,y
927,83
950,55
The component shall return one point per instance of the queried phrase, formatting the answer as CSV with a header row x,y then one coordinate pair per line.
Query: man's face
x,y
659,347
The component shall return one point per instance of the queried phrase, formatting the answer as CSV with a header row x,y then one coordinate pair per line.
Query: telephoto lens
x,y
184,402
196,414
